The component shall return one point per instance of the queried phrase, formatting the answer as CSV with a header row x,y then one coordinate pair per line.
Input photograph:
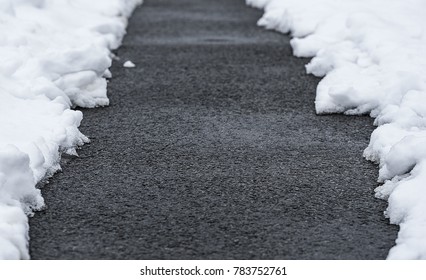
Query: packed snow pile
x,y
54,55
372,56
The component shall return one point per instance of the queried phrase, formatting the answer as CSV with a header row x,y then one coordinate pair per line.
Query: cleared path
x,y
211,150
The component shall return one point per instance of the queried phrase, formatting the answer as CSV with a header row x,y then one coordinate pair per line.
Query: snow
x,y
54,55
129,64
371,54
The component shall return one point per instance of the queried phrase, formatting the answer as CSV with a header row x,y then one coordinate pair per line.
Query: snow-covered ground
x,y
54,55
372,55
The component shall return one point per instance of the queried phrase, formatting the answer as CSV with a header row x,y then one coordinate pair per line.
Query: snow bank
x,y
372,56
54,55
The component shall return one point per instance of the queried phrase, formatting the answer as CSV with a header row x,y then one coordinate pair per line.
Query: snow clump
x,y
129,64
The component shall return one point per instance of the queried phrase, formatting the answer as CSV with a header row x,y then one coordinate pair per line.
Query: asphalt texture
x,y
211,149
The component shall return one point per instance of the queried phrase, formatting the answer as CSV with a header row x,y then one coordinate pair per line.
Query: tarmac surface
x,y
211,149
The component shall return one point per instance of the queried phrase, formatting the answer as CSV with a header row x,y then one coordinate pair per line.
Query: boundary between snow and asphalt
x,y
54,54
211,149
371,54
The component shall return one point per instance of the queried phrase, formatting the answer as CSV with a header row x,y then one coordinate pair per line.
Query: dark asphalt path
x,y
211,150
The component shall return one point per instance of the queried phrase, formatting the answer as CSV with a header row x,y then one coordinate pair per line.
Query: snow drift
x,y
372,56
54,55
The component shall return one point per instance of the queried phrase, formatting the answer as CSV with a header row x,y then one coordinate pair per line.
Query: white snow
x,y
129,64
54,55
372,56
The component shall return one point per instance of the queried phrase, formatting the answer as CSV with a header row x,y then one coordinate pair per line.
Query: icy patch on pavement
x,y
372,56
54,55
